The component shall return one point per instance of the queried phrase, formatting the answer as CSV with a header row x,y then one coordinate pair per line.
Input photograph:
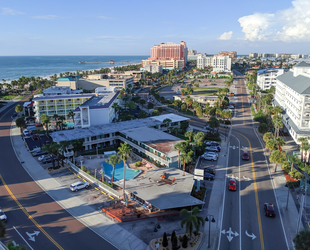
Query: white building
x,y
268,77
55,90
293,95
98,109
219,63
153,68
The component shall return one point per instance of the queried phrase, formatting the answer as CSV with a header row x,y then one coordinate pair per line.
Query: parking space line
x,y
111,197
96,188
84,180
103,192
79,177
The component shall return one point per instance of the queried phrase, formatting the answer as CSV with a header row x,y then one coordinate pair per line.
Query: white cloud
x,y
106,17
290,25
47,17
226,35
9,11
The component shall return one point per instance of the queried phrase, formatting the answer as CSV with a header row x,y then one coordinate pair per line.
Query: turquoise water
x,y
119,171
70,124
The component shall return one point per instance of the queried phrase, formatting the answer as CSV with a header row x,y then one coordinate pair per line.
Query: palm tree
x,y
191,220
63,145
302,140
277,110
19,108
167,121
279,142
277,157
130,105
199,137
302,240
181,147
52,149
186,158
267,136
71,115
189,134
124,153
113,160
183,92
116,107
45,120
277,123
188,101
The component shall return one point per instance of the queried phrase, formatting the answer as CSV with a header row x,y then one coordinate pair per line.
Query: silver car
x,y
3,216
213,148
79,185
209,157
211,153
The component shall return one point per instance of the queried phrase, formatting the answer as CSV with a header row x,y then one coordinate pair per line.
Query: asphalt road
x,y
244,224
29,209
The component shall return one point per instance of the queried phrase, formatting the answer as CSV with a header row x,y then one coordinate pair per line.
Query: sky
x,y
105,27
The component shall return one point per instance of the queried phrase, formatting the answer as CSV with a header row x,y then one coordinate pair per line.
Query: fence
x,y
101,185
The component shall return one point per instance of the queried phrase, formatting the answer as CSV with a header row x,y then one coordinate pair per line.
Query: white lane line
x,y
221,225
23,238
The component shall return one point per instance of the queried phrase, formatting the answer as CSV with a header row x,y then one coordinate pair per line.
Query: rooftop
x,y
172,117
55,97
161,141
302,65
60,90
263,71
102,100
162,193
300,83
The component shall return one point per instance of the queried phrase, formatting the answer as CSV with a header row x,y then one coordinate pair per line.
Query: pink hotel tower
x,y
168,52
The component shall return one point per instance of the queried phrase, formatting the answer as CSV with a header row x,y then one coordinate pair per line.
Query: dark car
x,y
208,176
232,184
210,171
269,210
38,153
35,137
245,156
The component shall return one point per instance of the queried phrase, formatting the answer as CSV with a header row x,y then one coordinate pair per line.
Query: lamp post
x,y
209,218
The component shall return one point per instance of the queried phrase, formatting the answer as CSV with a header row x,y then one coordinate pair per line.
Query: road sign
x,y
199,172
197,177
230,234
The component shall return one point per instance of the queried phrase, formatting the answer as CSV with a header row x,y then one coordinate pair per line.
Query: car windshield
x,y
245,154
232,183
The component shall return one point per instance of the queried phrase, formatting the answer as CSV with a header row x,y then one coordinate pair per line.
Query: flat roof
x,y
102,100
161,141
164,194
56,97
172,117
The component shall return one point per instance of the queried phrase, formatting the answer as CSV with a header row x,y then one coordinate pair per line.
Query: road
x,y
244,224
39,221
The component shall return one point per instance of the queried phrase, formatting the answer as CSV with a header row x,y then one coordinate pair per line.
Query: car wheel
x,y
212,160
87,187
76,190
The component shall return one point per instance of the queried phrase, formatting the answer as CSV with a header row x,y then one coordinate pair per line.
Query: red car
x,y
35,137
232,184
269,210
245,156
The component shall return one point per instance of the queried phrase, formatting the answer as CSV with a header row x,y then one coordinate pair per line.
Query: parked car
x,y
213,148
245,156
39,125
211,153
42,157
231,107
210,171
228,110
214,143
208,128
79,185
3,216
208,176
38,153
209,157
35,137
269,210
26,132
233,104
232,184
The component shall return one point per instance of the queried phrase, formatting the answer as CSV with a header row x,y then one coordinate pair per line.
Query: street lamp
x,y
209,218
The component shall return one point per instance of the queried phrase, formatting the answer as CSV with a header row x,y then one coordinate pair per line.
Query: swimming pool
x,y
119,171
69,124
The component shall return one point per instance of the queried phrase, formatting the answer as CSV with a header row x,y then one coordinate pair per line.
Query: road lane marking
x,y
230,234
256,194
23,238
250,235
28,215
31,236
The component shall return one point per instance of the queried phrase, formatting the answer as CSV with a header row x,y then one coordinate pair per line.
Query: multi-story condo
x,y
219,63
169,55
232,54
152,68
98,109
145,136
253,55
293,95
91,82
268,77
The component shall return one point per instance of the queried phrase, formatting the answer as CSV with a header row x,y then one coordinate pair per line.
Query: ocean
x,y
13,67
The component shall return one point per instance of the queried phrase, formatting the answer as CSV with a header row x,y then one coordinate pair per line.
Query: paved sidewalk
x,y
91,218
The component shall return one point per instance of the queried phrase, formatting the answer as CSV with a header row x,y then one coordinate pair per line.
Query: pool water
x,y
69,124
119,171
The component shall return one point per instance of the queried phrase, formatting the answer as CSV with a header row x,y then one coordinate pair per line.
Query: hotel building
x,y
293,95
219,63
267,78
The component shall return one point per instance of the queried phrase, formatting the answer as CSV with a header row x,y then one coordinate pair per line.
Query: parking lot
x,y
37,143
65,176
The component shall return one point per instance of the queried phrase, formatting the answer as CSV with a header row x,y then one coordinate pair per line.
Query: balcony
x,y
307,107
59,102
307,99
41,104
69,102
50,103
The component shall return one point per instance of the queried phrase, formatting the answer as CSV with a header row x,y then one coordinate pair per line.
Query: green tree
x,y
155,113
77,145
2,229
199,137
130,105
19,108
188,101
277,110
302,240
113,160
142,114
11,246
183,107
189,134
191,220
303,141
52,149
160,109
167,121
277,123
181,147
267,136
165,240
124,153
213,122
71,115
63,146
20,122
277,157
150,105
142,101
186,158
45,120
279,142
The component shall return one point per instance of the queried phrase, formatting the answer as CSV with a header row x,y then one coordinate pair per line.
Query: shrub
x,y
165,240
88,172
293,183
174,243
173,236
263,128
138,163
83,168
184,241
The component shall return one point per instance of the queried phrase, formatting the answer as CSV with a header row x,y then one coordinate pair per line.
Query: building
x,y
293,95
253,55
98,109
58,100
192,52
192,55
232,54
153,68
199,98
145,136
268,77
92,82
137,75
169,55
219,63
